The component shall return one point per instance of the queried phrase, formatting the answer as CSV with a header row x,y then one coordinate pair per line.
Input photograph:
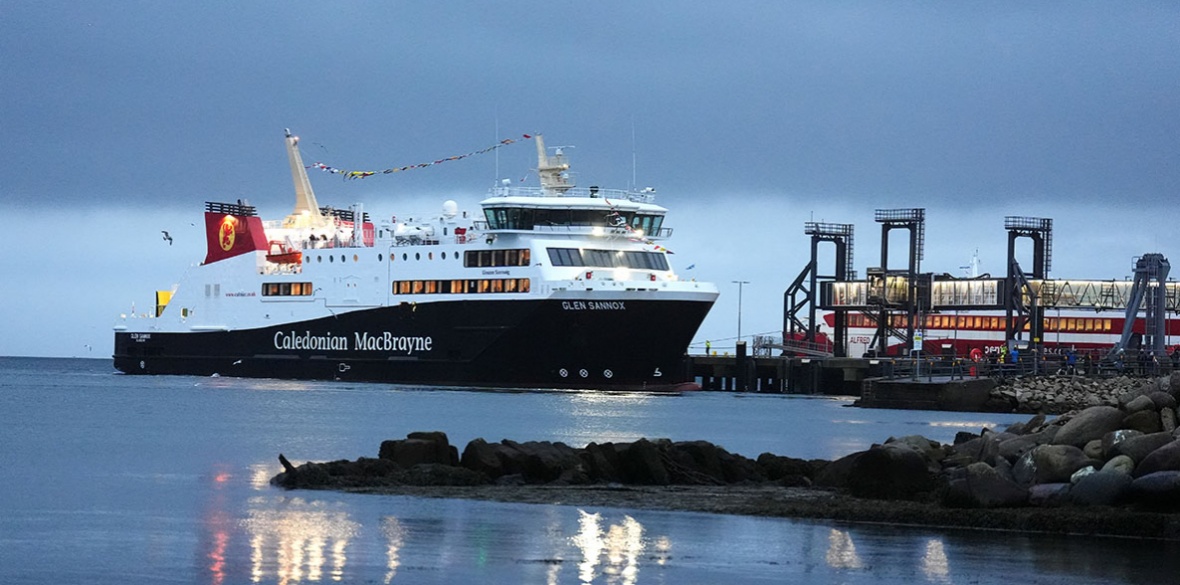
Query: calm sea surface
x,y
106,478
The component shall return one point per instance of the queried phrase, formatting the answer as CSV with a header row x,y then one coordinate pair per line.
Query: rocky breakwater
x,y
1105,469
428,459
1062,394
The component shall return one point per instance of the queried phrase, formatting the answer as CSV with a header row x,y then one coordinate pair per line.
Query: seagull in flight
x,y
167,237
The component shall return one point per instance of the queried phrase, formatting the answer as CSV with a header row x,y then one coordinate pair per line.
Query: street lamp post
x,y
740,283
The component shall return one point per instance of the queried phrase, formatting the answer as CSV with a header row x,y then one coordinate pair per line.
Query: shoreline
x,y
812,504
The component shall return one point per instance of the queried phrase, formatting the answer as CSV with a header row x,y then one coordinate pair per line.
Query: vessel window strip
x,y
490,258
475,286
608,258
287,289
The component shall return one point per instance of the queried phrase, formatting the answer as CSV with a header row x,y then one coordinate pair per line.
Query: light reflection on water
x,y
148,479
288,542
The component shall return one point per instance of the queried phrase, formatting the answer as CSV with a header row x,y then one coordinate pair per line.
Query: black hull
x,y
610,345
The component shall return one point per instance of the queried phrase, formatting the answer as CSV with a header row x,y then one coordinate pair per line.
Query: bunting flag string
x,y
349,175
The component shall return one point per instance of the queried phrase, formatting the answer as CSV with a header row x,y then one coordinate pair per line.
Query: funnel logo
x,y
227,233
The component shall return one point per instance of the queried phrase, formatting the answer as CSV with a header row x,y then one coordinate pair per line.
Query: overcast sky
x,y
120,119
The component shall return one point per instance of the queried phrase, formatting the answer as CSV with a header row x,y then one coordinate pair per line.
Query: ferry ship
x,y
555,286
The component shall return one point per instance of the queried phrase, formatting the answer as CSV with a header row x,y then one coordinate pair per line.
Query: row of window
x,y
483,285
967,322
608,258
483,258
287,289
518,218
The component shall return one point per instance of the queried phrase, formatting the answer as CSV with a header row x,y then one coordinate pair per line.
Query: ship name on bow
x,y
593,306
361,341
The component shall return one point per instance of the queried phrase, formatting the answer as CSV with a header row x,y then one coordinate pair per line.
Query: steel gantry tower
x,y
1022,300
802,292
913,220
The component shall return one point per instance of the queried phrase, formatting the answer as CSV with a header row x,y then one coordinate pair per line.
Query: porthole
x,y
430,256
343,258
319,258
444,255
417,256
380,257
356,258
331,258
405,256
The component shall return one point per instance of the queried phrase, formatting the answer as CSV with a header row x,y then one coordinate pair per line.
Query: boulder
x,y
930,450
1121,463
487,458
641,463
420,448
1101,488
980,486
1109,440
1089,424
601,462
1139,446
1162,400
1139,403
1049,464
835,474
890,472
541,461
1093,449
1049,495
1168,419
1083,472
1012,449
779,468
1160,488
1144,421
1165,458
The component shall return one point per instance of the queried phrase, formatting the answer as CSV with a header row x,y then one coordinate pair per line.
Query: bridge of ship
x,y
982,294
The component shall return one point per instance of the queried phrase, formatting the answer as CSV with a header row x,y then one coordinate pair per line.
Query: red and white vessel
x,y
554,287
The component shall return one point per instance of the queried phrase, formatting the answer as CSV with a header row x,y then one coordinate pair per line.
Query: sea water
x,y
107,478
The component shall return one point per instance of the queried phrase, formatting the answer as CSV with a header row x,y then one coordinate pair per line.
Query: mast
x,y
552,169
307,210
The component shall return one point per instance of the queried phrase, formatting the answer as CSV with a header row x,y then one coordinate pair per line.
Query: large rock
x,y
1049,464
890,472
1101,488
1162,400
1012,449
980,486
1161,488
641,463
420,448
601,462
1049,495
1144,421
1166,458
1109,440
785,469
1139,403
929,450
1120,463
487,458
1168,419
835,474
1091,423
1138,447
543,462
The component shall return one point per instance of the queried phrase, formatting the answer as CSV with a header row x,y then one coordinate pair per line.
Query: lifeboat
x,y
280,253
